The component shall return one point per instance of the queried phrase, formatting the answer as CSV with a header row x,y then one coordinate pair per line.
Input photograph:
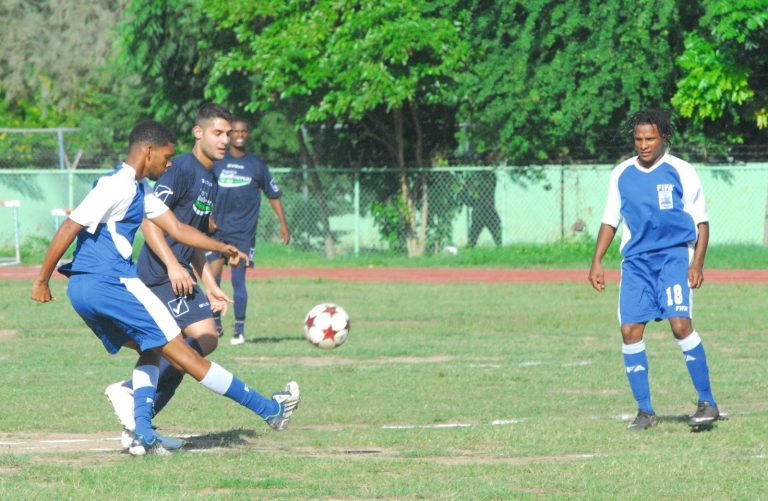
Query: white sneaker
x,y
168,443
237,339
288,401
121,398
139,448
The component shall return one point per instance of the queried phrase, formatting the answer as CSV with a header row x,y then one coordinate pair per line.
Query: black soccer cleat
x,y
705,415
643,420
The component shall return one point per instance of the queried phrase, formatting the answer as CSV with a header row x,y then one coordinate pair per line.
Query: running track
x,y
435,275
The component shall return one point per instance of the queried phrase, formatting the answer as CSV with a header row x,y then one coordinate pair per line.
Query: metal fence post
x,y
357,214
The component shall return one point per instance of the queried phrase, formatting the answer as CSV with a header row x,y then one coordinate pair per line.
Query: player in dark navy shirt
x,y
242,178
188,188
105,291
666,231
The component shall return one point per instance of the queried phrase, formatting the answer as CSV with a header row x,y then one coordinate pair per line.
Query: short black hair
x,y
209,111
241,120
151,132
652,116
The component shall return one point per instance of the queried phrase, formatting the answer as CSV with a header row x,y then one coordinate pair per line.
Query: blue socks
x,y
636,366
221,381
696,361
144,382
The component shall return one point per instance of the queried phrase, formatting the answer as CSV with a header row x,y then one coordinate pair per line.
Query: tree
x,y
51,49
379,66
725,71
553,80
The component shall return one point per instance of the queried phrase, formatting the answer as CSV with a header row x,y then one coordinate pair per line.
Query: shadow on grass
x,y
217,440
683,418
275,339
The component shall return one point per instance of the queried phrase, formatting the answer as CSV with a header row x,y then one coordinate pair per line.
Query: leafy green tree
x,y
378,66
552,80
725,69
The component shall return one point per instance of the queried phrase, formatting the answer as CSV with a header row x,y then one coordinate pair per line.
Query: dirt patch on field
x,y
6,334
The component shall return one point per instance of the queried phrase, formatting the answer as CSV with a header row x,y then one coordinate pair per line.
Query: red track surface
x,y
437,275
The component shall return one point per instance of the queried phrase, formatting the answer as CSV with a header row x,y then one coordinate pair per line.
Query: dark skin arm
x,y
61,241
696,269
596,271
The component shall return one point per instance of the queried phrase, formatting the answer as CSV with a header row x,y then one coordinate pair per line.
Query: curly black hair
x,y
151,132
653,116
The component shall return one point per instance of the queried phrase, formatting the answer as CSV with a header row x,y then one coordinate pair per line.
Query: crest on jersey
x,y
163,192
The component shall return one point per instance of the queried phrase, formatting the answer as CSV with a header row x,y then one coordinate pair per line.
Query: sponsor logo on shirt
x,y
229,179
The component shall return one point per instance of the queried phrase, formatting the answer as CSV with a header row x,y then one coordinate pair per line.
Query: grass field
x,y
458,391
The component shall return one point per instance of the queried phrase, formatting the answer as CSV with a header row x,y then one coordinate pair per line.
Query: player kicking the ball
x,y
105,291
666,231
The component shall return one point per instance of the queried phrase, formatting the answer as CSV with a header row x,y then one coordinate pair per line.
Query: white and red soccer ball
x,y
326,326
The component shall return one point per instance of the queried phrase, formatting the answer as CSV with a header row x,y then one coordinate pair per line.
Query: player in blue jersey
x,y
666,231
242,177
166,265
106,292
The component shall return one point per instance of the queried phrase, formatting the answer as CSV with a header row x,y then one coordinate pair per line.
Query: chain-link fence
x,y
60,147
340,212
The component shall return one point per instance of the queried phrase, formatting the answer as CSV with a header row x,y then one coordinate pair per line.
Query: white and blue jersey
x,y
661,208
103,287
189,190
241,180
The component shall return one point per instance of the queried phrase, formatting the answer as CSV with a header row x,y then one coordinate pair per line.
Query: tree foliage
x,y
725,69
554,79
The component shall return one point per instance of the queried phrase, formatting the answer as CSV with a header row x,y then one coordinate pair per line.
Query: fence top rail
x,y
33,131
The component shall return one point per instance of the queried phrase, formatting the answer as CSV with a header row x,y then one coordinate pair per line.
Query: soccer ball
x,y
326,326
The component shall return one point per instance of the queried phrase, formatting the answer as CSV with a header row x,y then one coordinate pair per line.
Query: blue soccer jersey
x,y
661,206
103,287
240,184
111,213
188,189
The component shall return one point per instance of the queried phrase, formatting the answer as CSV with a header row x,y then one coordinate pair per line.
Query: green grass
x,y
569,253
543,361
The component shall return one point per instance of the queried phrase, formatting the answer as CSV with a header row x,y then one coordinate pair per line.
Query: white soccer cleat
x,y
121,398
139,448
236,340
288,401
169,443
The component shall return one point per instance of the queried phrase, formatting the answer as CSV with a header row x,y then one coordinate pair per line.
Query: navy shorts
x,y
119,310
186,310
654,286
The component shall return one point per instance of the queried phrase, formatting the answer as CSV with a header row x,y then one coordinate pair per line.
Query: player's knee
x,y
681,327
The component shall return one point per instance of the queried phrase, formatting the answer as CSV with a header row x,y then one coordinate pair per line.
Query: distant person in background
x,y
105,290
242,177
480,196
666,231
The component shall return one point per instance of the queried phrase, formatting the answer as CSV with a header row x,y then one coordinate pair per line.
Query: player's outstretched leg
x,y
276,411
696,362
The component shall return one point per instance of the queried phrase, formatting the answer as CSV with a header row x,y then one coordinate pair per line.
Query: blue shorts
x,y
654,286
186,310
119,310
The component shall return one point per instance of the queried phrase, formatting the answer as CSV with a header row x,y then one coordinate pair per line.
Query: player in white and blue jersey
x,y
666,231
242,178
106,292
166,265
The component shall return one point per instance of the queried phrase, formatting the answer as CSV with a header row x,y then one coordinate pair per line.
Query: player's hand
x,y
695,276
235,256
597,277
285,234
219,300
181,281
41,292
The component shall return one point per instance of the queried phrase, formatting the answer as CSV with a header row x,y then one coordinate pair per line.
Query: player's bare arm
x,y
596,271
216,296
696,270
277,206
181,282
194,238
61,241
